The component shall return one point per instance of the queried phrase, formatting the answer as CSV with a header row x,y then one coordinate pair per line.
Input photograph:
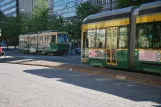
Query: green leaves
x,y
82,11
41,20
40,6
85,9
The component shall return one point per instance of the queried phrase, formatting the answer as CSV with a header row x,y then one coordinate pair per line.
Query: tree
x,y
85,9
82,11
2,18
127,3
12,29
40,15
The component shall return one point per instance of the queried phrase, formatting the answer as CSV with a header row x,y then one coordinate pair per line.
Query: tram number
x,y
158,56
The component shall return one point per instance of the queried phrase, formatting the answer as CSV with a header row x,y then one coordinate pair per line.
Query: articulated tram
x,y
52,42
127,38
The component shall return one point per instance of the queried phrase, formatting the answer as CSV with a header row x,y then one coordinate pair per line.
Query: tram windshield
x,y
62,38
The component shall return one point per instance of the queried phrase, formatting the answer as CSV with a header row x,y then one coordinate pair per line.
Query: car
x,y
77,50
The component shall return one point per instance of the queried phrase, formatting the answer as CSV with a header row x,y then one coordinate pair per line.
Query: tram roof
x,y
148,8
33,33
114,14
48,31
150,5
24,35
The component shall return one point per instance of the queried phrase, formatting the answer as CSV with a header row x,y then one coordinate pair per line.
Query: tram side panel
x,y
23,43
20,42
148,39
46,42
33,43
114,35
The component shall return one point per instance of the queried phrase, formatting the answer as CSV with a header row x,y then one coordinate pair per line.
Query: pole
x,y
0,32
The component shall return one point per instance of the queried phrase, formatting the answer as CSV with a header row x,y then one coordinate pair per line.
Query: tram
x,y
128,38
53,42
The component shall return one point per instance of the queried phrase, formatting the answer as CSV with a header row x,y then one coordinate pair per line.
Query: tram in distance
x,y
53,42
128,38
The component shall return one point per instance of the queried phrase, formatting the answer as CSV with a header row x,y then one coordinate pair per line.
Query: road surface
x,y
70,59
32,86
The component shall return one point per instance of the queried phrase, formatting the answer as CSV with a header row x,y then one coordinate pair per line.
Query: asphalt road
x,y
70,59
32,86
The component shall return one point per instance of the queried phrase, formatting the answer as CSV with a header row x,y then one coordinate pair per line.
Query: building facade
x,y
66,8
26,6
9,7
106,4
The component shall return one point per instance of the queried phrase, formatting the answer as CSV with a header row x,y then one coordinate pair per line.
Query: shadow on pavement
x,y
125,89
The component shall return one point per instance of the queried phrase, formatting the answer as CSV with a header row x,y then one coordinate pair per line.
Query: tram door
x,y
111,46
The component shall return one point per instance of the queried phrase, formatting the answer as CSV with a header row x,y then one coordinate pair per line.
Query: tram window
x,y
62,38
41,39
91,38
122,38
46,39
53,39
96,38
157,37
100,38
66,38
85,40
144,35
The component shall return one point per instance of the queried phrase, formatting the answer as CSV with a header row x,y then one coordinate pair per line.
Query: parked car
x,y
77,50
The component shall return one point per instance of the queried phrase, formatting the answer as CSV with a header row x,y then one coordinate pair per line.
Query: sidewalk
x,y
119,74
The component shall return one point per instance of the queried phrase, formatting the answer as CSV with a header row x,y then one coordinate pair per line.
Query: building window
x,y
4,2
9,5
10,11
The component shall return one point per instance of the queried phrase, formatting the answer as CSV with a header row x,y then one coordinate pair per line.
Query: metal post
x,y
0,32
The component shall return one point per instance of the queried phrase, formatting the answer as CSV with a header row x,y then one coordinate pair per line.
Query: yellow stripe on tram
x,y
148,18
105,24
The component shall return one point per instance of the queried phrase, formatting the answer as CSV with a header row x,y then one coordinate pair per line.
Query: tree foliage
x,y
2,20
85,9
41,20
82,11
127,3
12,29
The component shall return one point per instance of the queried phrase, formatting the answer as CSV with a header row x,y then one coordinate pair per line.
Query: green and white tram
x,y
127,38
23,43
54,42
